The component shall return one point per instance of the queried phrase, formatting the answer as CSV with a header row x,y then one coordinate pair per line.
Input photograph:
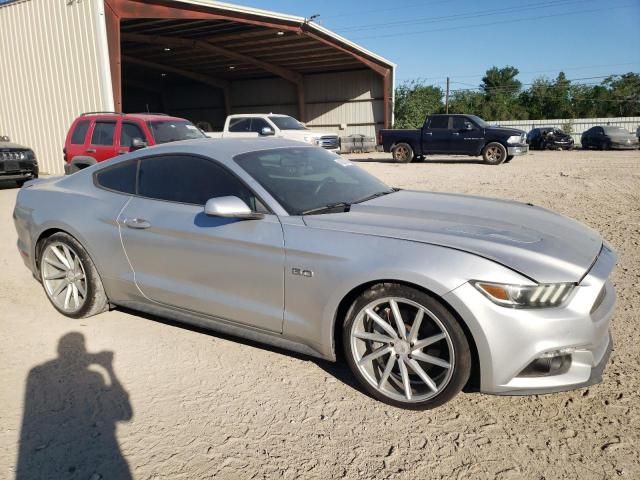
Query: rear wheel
x,y
70,279
405,348
402,153
494,153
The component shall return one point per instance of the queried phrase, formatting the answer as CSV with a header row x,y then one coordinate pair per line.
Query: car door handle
x,y
120,152
428,133
138,223
91,150
456,133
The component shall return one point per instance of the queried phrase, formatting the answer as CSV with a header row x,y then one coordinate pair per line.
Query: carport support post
x,y
302,114
387,98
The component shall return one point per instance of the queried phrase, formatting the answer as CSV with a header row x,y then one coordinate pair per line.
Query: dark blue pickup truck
x,y
455,135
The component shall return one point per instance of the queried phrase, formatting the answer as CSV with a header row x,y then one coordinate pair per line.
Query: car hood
x,y
300,134
542,245
505,131
12,146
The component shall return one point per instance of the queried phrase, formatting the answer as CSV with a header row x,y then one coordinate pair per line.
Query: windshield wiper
x,y
375,195
330,206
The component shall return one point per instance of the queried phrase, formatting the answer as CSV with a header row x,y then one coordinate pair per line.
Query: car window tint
x,y
240,125
257,124
458,123
80,132
188,179
103,133
120,177
128,133
439,122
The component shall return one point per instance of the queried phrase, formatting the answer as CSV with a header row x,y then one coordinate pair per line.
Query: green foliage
x,y
414,101
500,97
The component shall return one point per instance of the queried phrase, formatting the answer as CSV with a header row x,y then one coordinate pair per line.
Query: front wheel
x,y
402,153
494,153
69,277
405,348
509,158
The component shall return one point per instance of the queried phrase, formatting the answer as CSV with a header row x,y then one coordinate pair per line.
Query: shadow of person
x,y
71,408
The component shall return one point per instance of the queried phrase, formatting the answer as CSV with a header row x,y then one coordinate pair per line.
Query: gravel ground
x,y
188,404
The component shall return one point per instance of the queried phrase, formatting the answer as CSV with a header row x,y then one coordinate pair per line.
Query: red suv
x,y
98,136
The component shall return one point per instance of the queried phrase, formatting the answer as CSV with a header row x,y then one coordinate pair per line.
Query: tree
x,y
414,101
501,89
625,94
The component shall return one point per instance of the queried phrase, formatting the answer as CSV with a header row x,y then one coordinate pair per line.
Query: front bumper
x,y
509,340
518,150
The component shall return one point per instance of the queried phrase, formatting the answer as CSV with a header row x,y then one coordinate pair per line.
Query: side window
x,y
257,124
128,132
103,133
189,179
80,133
440,122
240,125
458,123
120,177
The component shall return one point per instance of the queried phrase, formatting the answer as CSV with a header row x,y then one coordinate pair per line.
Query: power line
x,y
511,21
461,16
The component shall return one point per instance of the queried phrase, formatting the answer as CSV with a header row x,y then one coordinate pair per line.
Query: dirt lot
x,y
203,406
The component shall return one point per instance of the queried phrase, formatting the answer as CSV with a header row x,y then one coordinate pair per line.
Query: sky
x,y
433,39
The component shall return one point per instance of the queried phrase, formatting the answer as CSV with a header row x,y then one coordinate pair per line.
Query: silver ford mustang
x,y
291,245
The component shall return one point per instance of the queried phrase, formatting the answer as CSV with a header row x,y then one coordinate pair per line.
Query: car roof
x,y
221,149
145,117
254,115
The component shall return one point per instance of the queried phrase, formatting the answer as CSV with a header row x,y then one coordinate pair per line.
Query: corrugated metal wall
x,y
52,68
578,125
353,100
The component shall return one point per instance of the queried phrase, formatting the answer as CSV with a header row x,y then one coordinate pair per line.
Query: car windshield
x,y
478,121
173,130
307,180
287,123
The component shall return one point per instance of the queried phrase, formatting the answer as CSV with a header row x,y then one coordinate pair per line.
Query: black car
x,y
542,138
17,163
609,137
455,135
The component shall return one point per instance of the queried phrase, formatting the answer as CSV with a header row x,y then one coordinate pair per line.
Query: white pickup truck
x,y
281,126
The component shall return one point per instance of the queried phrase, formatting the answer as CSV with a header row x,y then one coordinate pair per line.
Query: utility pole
x,y
446,98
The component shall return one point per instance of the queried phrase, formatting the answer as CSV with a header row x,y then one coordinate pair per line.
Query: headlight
x,y
526,296
514,139
312,140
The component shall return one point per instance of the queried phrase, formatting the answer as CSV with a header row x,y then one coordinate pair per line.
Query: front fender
x,y
341,262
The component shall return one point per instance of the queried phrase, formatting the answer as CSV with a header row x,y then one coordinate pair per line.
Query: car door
x,y
126,133
463,140
239,127
436,135
78,141
227,268
102,145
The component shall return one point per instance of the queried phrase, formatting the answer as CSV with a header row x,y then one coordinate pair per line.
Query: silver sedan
x,y
291,245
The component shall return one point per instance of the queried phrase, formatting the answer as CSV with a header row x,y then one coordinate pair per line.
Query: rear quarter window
x,y
80,132
119,178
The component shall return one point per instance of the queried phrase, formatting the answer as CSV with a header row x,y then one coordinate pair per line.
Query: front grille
x,y
10,160
328,141
600,299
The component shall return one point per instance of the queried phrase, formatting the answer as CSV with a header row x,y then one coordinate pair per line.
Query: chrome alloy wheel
x,y
401,154
63,276
495,154
402,349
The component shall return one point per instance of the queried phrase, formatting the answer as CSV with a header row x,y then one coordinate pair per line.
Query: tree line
x,y
501,96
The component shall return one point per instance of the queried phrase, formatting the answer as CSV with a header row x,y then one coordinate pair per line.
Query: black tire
x,y
509,158
95,300
461,352
494,153
402,153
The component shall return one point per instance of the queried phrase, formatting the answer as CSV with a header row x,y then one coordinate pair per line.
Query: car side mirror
x,y
468,126
138,143
267,131
230,207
